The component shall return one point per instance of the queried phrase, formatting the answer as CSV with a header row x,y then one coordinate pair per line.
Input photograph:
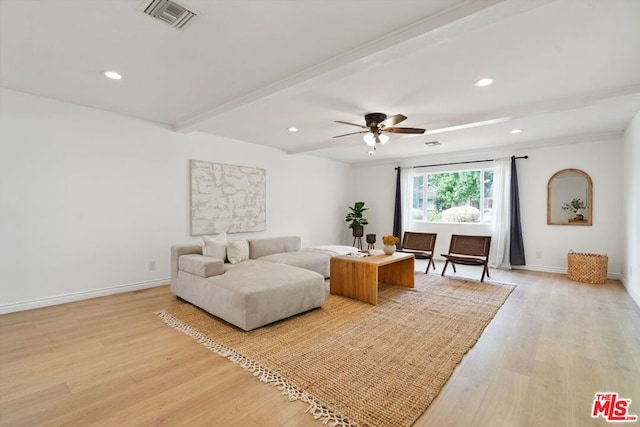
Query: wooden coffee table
x,y
358,278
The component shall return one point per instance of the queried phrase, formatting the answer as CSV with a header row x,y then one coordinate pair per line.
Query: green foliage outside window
x,y
456,189
444,191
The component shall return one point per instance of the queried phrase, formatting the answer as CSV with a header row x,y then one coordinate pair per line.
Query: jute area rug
x,y
357,364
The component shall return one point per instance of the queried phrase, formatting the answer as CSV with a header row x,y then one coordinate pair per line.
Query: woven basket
x,y
587,268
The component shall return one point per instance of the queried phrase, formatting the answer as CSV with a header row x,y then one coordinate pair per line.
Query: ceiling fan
x,y
376,124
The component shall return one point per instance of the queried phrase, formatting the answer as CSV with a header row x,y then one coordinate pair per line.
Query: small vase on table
x,y
389,249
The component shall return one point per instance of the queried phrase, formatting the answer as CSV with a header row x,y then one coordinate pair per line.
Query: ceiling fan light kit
x,y
372,139
369,139
376,124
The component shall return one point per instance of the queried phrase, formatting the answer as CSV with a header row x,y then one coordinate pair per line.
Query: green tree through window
x,y
461,196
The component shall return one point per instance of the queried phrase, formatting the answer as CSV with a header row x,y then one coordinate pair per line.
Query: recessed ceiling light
x,y
516,131
113,75
484,82
292,129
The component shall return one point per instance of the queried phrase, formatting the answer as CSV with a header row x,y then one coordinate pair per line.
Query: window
x,y
461,196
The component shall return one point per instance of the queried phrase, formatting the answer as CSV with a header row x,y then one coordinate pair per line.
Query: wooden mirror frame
x,y
589,195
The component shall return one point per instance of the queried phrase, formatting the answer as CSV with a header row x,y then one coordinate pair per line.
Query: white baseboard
x,y
541,268
77,296
557,270
634,296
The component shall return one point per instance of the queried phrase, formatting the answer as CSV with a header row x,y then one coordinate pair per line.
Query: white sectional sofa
x,y
277,281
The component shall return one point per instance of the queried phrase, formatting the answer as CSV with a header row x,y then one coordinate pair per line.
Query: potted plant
x,y
356,219
574,206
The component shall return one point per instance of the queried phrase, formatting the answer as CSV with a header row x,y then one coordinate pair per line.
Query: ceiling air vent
x,y
172,13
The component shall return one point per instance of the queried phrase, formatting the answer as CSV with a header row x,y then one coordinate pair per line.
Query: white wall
x,y
375,186
88,198
601,160
631,204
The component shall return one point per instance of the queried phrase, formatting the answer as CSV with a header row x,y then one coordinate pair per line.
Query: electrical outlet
x,y
152,265
539,255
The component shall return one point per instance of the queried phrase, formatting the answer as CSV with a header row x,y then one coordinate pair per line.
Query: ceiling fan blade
x,y
404,130
352,133
352,124
392,121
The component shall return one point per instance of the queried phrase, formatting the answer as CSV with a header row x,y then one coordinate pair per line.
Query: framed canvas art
x,y
227,198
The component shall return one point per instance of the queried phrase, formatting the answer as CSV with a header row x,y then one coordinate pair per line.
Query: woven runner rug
x,y
357,364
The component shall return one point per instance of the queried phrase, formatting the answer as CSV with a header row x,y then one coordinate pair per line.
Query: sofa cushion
x,y
259,248
237,250
215,246
309,260
200,265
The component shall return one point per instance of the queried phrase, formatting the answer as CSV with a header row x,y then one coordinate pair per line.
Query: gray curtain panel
x,y
516,255
397,214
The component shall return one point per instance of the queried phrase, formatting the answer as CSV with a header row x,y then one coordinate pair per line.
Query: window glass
x,y
457,196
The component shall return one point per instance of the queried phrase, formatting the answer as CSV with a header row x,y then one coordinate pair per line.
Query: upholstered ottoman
x,y
252,293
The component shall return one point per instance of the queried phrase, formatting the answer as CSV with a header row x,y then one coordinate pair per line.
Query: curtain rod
x,y
462,163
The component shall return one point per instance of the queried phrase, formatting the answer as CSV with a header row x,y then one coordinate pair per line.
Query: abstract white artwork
x,y
227,198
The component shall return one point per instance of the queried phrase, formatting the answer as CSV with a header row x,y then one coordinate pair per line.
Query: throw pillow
x,y
215,246
237,250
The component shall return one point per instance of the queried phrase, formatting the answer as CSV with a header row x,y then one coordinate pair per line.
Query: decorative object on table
x,y
587,268
359,254
357,221
389,242
371,241
227,198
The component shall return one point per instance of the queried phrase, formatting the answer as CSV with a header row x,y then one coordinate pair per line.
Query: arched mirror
x,y
569,198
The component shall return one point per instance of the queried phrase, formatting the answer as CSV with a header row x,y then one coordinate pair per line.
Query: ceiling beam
x,y
483,12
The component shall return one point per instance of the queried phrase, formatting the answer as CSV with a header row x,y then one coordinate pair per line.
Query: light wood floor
x,y
111,361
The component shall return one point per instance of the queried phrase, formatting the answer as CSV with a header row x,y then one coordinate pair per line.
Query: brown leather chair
x,y
468,250
421,245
